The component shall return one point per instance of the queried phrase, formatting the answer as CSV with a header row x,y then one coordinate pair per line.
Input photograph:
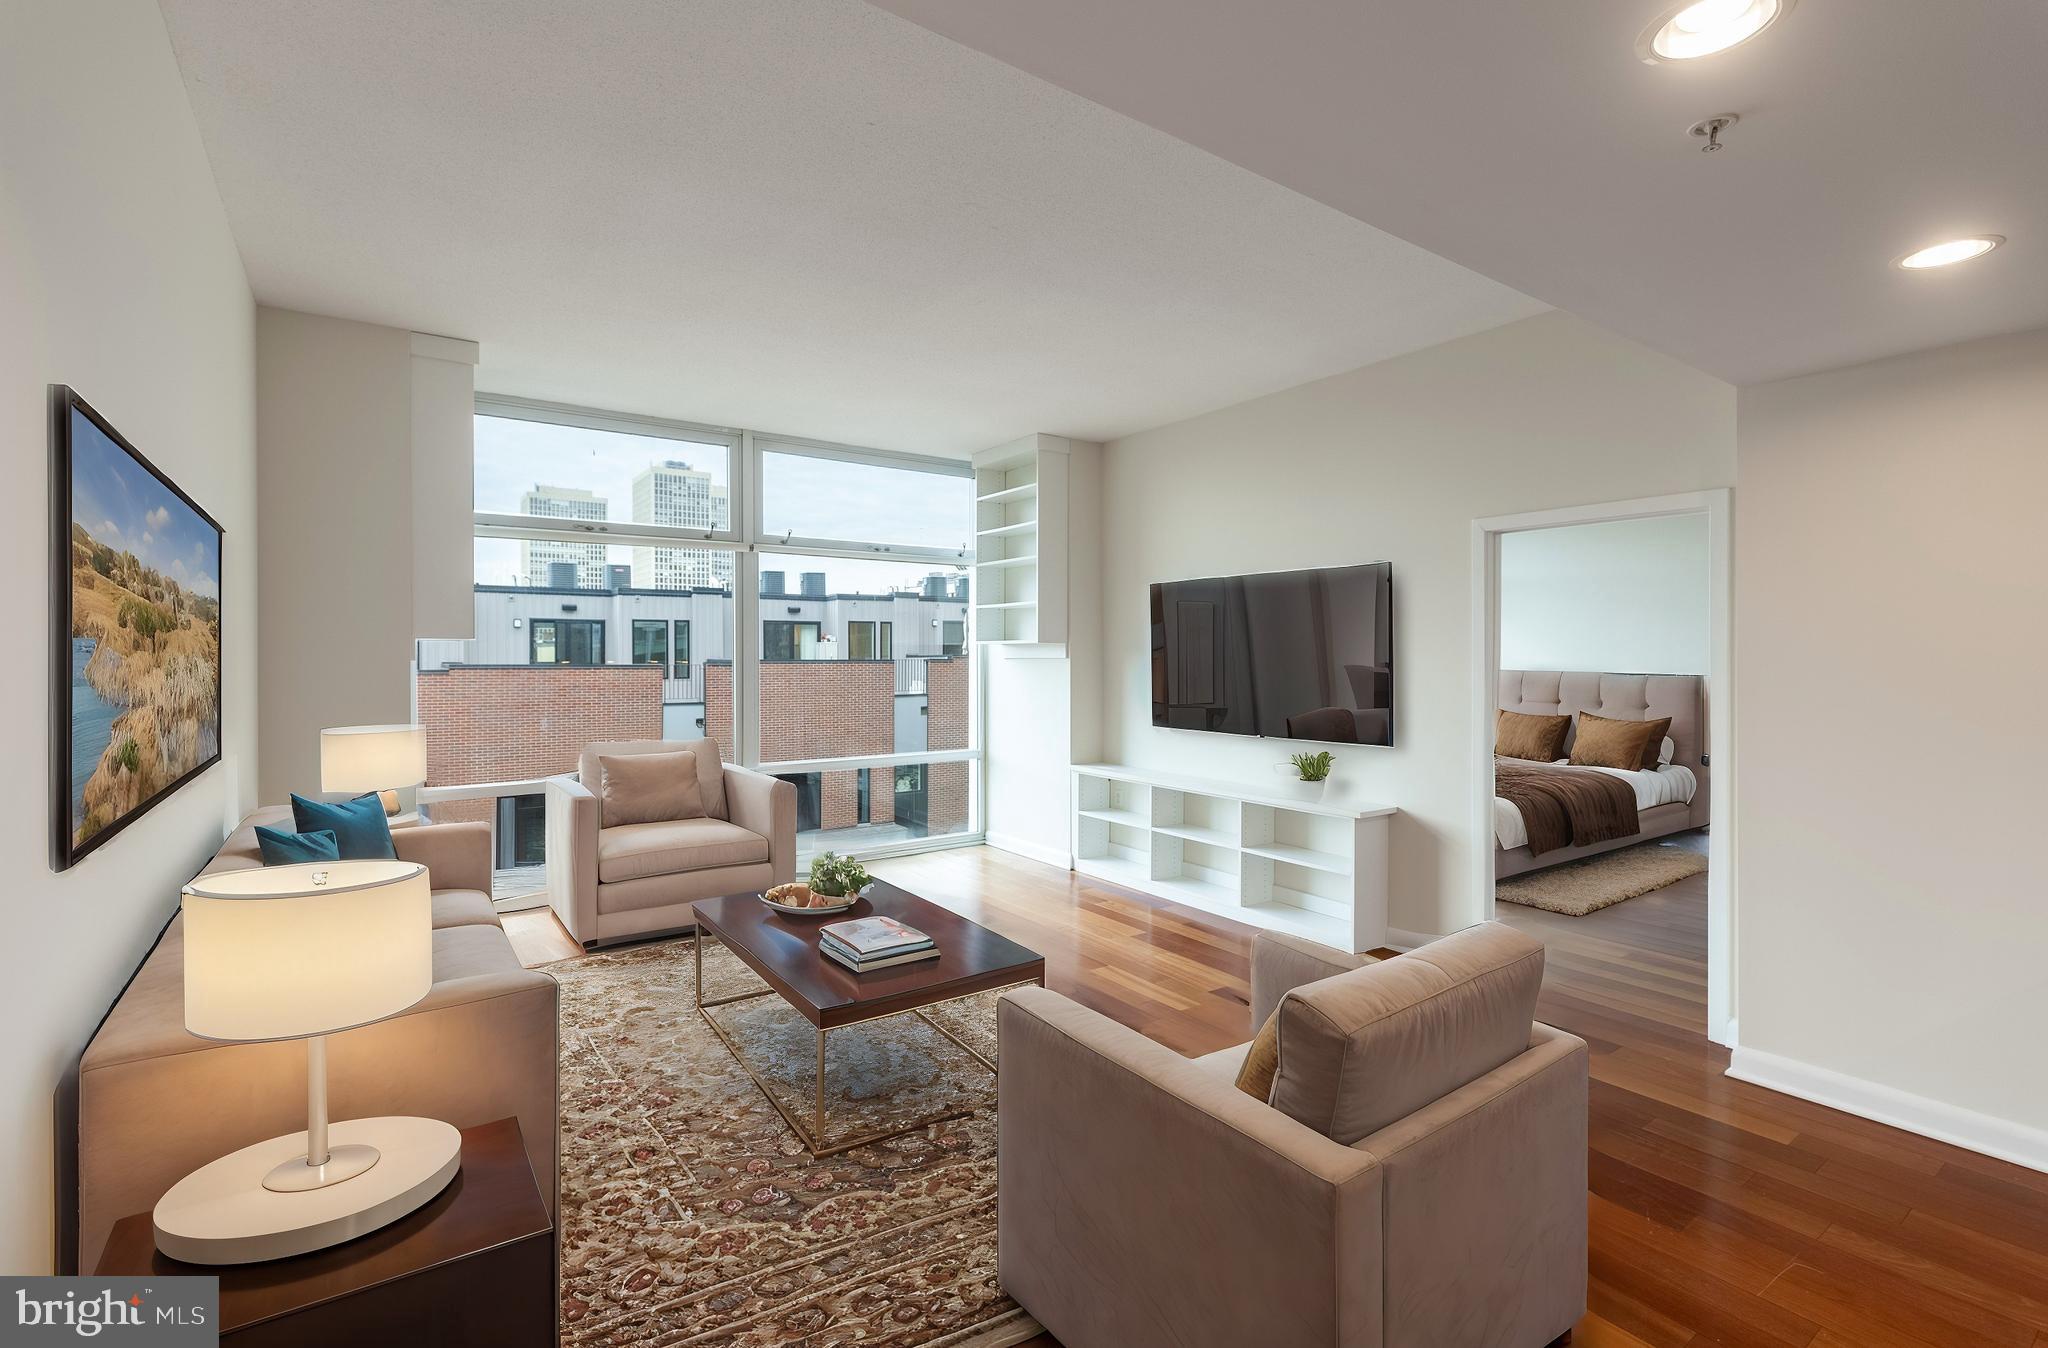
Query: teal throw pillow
x,y
285,849
360,828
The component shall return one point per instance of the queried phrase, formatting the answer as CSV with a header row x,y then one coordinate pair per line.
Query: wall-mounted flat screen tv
x,y
135,691
1302,655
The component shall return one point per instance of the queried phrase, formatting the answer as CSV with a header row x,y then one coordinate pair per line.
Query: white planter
x,y
1292,785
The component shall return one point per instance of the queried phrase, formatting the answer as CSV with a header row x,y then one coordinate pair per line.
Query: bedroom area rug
x,y
692,1215
1581,887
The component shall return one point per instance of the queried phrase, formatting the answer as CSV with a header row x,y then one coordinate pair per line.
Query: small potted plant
x,y
836,876
1309,772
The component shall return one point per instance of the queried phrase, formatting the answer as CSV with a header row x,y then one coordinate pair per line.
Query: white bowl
x,y
849,901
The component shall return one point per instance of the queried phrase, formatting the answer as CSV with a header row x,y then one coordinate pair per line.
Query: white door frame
x,y
1485,690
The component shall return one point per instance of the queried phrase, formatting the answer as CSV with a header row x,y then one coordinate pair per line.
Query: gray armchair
x,y
631,881
1417,1175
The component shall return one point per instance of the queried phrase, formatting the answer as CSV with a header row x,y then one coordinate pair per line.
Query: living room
x,y
977,469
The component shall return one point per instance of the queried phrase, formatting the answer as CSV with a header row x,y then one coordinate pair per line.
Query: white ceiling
x,y
1523,138
804,216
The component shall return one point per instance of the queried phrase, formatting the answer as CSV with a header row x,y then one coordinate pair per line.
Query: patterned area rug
x,y
1581,887
691,1214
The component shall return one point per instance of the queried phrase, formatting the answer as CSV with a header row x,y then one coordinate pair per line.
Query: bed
x,y
1669,799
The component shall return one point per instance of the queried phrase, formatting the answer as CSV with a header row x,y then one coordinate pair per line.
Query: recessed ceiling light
x,y
1948,253
1705,27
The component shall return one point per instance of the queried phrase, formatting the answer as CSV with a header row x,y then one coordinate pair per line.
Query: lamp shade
x,y
285,952
372,757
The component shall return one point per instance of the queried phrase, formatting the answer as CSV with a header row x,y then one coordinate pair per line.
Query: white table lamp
x,y
302,952
380,758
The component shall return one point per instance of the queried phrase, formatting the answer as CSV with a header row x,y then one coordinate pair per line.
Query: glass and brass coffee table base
x,y
812,1132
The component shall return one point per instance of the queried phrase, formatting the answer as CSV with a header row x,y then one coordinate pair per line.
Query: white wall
x,y
1626,596
117,276
1392,463
1891,627
334,415
443,486
365,489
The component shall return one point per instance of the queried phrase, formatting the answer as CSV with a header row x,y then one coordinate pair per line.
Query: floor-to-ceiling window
x,y
640,579
860,683
860,554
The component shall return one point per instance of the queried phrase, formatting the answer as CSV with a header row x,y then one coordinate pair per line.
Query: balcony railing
x,y
684,690
939,807
913,669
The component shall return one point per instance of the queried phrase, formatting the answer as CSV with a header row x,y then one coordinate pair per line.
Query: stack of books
x,y
874,943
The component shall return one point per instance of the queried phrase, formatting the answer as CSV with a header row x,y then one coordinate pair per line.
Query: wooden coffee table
x,y
783,950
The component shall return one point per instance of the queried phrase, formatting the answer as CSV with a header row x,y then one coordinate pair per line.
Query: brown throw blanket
x,y
1564,807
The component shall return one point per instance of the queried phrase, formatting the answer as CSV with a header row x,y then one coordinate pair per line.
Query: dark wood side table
x,y
475,1266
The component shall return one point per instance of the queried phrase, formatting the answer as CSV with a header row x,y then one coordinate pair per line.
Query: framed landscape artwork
x,y
135,683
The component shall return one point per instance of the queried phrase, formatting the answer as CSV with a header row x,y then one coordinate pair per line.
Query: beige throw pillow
x,y
649,788
1360,1050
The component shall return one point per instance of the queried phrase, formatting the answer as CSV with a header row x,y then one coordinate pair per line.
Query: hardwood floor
x,y
538,936
1720,1213
1645,957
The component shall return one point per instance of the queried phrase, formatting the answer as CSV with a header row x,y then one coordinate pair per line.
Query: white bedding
x,y
1668,785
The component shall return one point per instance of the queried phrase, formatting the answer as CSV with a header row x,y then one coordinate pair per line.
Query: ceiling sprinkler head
x,y
1711,128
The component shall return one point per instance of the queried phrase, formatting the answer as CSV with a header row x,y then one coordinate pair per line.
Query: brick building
x,y
499,723
947,727
504,723
848,709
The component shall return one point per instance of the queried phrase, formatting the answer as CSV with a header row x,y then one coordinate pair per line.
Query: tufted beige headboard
x,y
1622,697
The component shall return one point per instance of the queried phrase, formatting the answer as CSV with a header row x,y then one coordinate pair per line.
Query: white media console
x,y
1307,867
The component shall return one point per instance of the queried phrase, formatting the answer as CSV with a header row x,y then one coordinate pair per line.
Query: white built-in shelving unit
x,y
1309,867
1020,545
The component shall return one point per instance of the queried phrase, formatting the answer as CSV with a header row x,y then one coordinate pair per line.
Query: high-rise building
x,y
673,493
537,556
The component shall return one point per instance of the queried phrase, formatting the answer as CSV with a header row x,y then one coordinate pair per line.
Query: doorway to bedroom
x,y
1604,626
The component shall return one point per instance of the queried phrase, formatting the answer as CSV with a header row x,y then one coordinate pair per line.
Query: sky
x,y
819,498
122,504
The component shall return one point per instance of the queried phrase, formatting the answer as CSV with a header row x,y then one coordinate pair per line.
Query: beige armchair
x,y
631,881
1418,1177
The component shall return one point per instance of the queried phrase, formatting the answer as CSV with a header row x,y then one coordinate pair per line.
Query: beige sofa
x,y
1418,1177
633,881
156,1103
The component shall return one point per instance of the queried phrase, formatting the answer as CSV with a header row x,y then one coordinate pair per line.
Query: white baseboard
x,y
1937,1119
1023,847
1405,941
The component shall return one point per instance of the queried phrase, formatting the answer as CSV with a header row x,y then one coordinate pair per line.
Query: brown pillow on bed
x,y
1603,743
1537,738
1659,728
